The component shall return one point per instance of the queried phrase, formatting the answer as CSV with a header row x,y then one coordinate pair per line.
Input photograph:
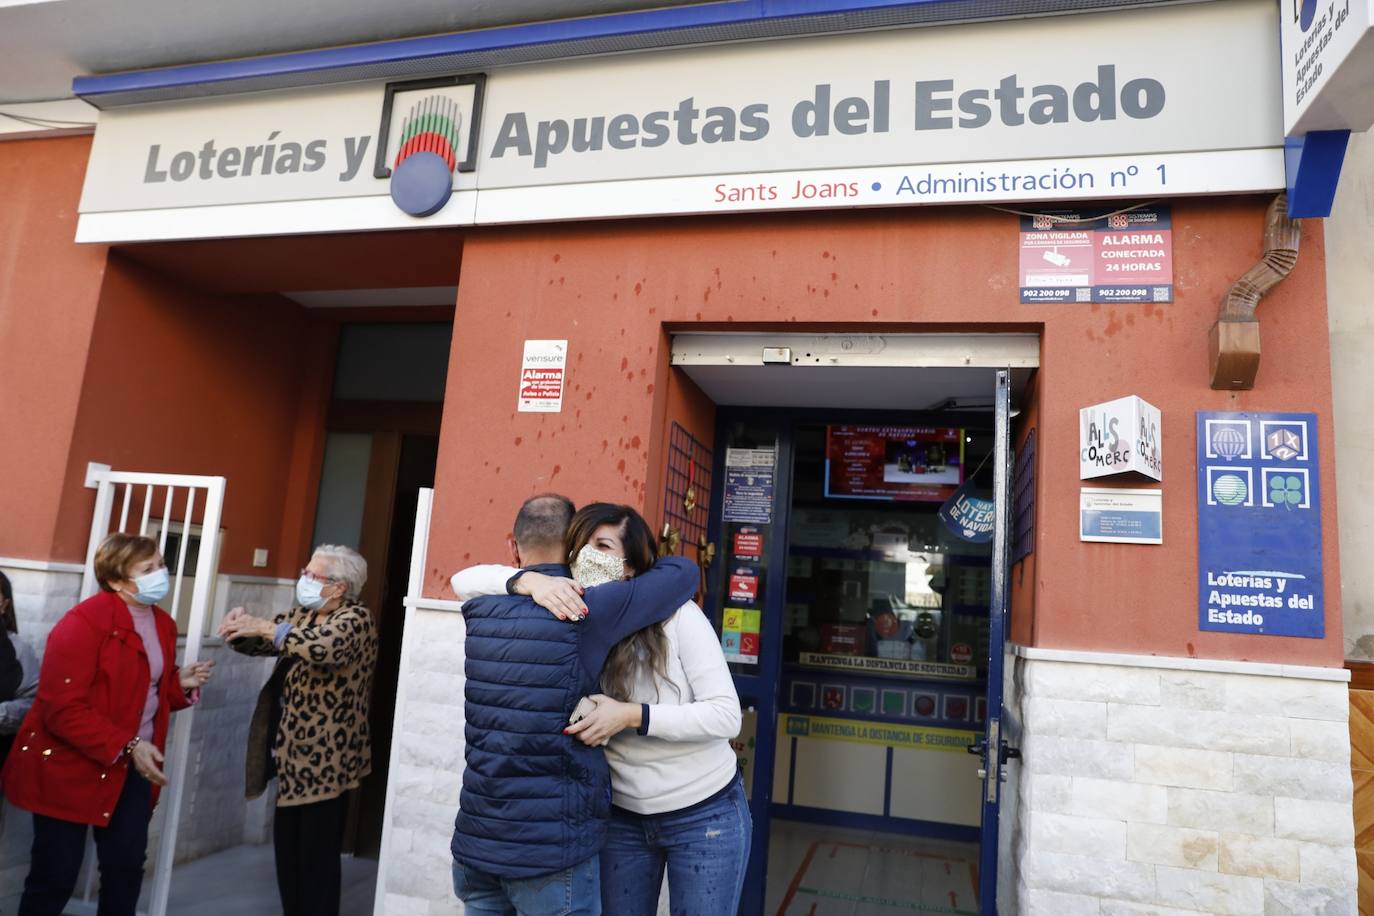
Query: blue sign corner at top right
x,y
1259,524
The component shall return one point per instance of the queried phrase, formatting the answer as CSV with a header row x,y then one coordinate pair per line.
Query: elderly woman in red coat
x,y
90,749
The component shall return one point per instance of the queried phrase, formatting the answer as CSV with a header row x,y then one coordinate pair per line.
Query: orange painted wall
x,y
611,288
188,382
48,292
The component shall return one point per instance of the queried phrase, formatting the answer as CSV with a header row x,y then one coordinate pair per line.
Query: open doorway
x,y
878,658
864,631
381,447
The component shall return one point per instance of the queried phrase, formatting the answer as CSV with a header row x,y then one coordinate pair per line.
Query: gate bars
x,y
210,490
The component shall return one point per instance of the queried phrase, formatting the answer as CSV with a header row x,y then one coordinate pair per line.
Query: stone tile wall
x,y
415,876
1166,789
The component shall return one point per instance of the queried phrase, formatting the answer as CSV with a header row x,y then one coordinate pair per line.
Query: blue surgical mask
x,y
152,587
308,593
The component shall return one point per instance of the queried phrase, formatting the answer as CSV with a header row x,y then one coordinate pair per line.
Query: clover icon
x,y
1285,490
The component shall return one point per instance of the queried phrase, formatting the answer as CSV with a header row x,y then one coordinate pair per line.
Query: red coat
x,y
67,761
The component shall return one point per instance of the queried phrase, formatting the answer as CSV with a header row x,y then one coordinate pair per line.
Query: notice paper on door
x,y
749,485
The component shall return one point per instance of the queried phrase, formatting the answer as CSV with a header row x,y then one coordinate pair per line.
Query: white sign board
x,y
1328,65
542,373
1121,516
1118,437
992,111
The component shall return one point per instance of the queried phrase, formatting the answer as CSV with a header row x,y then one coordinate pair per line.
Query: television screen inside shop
x,y
877,584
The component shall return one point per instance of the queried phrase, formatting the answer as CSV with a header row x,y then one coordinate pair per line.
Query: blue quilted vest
x,y
534,801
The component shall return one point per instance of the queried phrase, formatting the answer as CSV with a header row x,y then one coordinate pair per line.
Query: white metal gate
x,y
196,503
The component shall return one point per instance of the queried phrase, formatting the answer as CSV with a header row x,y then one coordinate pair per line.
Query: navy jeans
x,y
705,850
574,891
58,847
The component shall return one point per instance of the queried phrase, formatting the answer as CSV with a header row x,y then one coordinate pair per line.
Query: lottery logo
x,y
1229,489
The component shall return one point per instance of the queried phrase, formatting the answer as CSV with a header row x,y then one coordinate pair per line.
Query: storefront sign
x,y
893,462
1328,65
541,376
870,665
1121,257
913,737
428,132
1259,524
969,517
1121,516
739,635
968,113
1118,437
749,485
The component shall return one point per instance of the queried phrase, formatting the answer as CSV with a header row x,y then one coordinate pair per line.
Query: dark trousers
x,y
308,840
58,847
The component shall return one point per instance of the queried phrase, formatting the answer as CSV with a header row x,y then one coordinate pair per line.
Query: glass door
x,y
858,630
993,749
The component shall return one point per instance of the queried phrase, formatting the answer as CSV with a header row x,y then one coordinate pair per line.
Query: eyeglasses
x,y
323,580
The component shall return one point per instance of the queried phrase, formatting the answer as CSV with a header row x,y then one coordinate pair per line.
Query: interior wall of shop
x,y
1350,292
612,288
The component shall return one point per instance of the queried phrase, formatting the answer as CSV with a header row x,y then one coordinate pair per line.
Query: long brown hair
x,y
647,648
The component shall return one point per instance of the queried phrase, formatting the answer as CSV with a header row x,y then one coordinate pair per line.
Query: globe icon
x,y
1229,490
1228,442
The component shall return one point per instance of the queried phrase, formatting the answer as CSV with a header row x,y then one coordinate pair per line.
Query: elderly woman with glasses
x,y
310,727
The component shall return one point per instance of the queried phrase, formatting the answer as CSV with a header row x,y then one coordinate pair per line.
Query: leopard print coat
x,y
322,747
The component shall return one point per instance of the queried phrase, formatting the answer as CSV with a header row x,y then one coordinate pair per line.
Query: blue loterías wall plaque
x,y
1259,524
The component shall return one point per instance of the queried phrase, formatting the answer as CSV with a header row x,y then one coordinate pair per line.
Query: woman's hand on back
x,y
560,597
610,718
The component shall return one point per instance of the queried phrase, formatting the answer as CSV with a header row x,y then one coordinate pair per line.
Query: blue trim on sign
x,y
1313,166
735,12
957,832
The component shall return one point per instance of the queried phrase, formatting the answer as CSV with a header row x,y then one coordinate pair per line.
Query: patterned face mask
x,y
596,567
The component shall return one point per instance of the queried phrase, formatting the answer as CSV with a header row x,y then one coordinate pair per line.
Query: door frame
x,y
996,750
762,688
